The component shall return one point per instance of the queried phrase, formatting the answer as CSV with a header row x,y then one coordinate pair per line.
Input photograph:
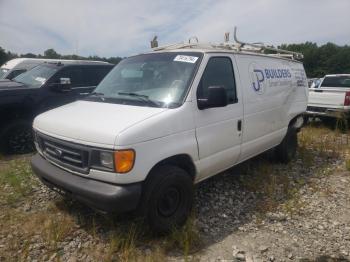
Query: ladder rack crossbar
x,y
237,46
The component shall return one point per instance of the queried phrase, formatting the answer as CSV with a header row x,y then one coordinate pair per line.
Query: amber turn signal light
x,y
124,160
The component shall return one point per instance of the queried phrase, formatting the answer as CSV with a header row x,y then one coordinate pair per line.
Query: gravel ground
x,y
315,227
258,211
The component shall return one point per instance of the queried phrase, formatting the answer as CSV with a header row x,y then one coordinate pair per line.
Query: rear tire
x,y
306,120
167,198
286,150
330,122
17,138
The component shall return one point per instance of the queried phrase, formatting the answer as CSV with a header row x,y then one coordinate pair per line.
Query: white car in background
x,y
332,98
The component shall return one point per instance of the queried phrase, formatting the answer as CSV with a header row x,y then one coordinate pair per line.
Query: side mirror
x,y
65,81
217,97
62,86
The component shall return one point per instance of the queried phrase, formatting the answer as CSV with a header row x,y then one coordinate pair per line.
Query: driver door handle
x,y
239,125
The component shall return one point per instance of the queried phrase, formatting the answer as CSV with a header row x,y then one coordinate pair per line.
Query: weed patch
x,y
16,182
347,164
186,238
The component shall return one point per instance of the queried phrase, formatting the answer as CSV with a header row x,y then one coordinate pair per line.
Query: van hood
x,y
93,123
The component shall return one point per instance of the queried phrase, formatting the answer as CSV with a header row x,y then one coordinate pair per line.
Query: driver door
x,y
58,97
219,130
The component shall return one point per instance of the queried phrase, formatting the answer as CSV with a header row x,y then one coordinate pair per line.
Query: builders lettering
x,y
277,73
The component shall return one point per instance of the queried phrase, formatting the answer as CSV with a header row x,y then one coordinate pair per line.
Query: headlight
x,y
106,160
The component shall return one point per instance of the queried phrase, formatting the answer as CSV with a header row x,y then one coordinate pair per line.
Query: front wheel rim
x,y
169,202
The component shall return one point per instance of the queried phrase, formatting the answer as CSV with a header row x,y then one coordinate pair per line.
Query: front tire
x,y
286,150
167,199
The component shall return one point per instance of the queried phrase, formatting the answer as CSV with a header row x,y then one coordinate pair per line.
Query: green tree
x,y
3,56
320,60
52,54
29,55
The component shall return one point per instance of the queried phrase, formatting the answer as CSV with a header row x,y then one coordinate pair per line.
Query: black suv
x,y
44,87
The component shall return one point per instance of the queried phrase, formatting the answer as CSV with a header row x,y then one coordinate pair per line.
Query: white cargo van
x,y
162,121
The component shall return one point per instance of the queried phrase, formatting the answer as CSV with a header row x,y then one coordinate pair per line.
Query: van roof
x,y
226,51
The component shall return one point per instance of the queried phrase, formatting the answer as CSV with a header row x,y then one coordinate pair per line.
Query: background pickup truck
x,y
332,98
42,88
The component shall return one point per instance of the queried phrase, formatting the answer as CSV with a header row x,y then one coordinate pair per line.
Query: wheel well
x,y
183,161
293,121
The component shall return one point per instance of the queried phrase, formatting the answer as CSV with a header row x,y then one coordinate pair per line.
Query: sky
x,y
122,28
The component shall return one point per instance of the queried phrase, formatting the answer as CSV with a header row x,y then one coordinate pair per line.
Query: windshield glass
x,y
158,79
336,81
3,71
37,76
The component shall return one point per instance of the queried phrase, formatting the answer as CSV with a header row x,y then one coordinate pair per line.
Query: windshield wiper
x,y
141,97
95,94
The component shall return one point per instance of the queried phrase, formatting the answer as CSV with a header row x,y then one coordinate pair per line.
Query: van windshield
x,y
37,76
336,81
158,80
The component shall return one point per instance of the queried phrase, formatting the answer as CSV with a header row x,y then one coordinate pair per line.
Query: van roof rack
x,y
237,45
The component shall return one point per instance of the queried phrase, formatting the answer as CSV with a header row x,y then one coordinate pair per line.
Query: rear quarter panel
x,y
274,92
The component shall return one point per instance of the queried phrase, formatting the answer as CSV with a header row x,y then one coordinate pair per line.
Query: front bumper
x,y
327,112
96,194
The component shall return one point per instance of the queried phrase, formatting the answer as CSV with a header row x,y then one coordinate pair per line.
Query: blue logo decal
x,y
262,78
259,76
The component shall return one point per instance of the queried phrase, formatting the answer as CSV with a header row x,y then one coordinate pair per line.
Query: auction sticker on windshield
x,y
186,59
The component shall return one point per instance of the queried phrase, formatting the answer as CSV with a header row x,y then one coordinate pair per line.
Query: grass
x,y
279,185
127,242
271,184
124,238
49,228
347,164
317,140
186,238
123,244
16,181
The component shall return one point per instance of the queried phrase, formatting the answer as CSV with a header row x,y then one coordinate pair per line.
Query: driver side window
x,y
218,72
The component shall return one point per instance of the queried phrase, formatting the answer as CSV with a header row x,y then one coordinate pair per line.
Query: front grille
x,y
316,109
68,155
